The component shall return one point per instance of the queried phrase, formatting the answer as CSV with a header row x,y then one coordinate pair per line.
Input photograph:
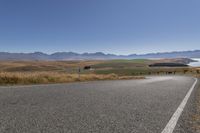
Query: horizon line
x,y
96,52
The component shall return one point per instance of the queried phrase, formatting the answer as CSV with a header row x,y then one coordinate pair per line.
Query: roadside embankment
x,y
196,115
14,78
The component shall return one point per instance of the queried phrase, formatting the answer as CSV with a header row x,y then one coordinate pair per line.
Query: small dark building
x,y
87,67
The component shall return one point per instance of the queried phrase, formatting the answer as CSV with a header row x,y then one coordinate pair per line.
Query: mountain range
x,y
95,56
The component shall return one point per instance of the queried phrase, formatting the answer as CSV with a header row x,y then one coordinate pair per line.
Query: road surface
x,y
124,106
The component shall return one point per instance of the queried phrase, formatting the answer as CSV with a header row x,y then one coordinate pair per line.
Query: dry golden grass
x,y
33,66
12,78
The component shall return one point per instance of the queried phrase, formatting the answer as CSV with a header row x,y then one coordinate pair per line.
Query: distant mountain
x,y
176,54
94,56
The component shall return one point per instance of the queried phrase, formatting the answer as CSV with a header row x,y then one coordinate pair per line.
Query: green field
x,y
122,64
137,67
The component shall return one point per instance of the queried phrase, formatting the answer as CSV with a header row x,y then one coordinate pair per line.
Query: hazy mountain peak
x,y
97,55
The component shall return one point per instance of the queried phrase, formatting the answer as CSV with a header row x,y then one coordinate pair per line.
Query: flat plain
x,y
43,72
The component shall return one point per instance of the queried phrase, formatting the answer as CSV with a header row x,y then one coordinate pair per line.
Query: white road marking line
x,y
174,119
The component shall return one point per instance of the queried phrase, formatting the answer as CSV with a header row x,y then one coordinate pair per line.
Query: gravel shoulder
x,y
189,121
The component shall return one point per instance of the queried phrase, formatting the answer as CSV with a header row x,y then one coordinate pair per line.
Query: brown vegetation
x,y
9,78
33,66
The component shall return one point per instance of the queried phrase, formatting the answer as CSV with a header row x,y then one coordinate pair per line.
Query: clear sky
x,y
110,26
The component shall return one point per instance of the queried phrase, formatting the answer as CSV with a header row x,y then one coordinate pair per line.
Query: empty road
x,y
124,106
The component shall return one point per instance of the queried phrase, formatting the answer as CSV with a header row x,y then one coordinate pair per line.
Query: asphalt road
x,y
128,106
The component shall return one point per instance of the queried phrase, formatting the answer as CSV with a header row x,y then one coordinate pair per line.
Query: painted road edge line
x,y
174,119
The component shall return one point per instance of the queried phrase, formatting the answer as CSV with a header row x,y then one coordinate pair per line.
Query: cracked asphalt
x,y
122,106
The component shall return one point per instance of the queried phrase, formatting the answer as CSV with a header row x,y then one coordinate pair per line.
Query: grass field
x,y
12,78
140,67
37,72
41,66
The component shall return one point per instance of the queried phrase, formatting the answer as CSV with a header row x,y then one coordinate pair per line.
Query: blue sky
x,y
110,26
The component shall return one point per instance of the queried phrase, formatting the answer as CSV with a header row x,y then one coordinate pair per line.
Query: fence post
x,y
79,71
